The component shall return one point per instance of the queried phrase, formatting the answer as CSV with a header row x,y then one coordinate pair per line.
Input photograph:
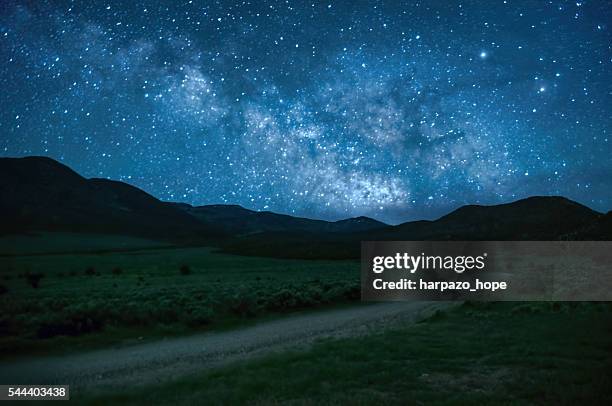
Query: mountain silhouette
x,y
598,230
240,221
41,194
533,218
538,218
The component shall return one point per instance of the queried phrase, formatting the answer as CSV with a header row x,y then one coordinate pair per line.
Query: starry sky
x,y
397,110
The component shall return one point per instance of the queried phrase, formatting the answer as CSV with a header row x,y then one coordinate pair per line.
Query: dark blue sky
x,y
396,110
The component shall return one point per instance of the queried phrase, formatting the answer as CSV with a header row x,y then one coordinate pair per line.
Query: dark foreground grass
x,y
74,301
499,353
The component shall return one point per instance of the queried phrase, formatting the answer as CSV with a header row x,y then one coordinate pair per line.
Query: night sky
x,y
395,110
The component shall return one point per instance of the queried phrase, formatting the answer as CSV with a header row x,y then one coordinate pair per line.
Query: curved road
x,y
167,359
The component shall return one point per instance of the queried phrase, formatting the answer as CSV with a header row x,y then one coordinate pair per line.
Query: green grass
x,y
490,354
49,243
83,301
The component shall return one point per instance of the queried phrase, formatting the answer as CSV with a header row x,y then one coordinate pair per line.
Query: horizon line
x,y
59,161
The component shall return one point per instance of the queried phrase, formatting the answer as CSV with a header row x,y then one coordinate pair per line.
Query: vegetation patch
x,y
72,297
476,354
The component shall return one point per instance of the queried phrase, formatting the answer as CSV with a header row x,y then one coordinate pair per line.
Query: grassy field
x,y
121,291
492,353
81,300
50,243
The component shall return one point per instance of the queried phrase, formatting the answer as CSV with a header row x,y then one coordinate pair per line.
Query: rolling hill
x,y
40,194
539,218
238,220
533,218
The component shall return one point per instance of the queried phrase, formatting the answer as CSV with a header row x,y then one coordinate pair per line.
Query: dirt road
x,y
167,359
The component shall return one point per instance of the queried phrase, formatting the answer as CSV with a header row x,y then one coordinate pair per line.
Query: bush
x,y
3,289
90,271
200,316
281,300
33,278
117,271
185,270
69,326
243,306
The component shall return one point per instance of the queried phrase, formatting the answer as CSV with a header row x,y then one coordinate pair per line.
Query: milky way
x,y
396,110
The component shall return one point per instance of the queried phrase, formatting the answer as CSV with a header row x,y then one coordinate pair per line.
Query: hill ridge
x,y
41,194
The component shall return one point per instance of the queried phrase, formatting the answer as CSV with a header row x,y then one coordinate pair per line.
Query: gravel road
x,y
166,359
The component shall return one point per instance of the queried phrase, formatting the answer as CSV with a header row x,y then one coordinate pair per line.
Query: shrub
x,y
185,270
90,271
33,278
243,306
352,293
117,271
167,315
282,300
200,316
68,326
3,289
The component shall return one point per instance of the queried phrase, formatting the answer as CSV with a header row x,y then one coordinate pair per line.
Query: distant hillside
x,y
534,218
237,220
41,194
598,230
